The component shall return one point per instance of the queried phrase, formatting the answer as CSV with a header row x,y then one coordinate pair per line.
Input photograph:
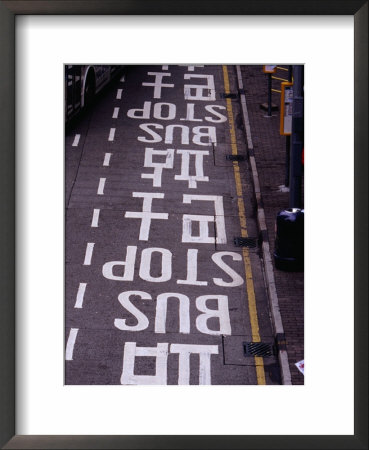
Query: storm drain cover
x,y
235,157
224,95
257,349
249,242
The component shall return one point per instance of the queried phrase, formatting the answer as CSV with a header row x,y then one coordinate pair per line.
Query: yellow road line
x,y
259,362
276,90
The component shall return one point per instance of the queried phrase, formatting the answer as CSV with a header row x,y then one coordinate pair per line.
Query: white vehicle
x,y
82,83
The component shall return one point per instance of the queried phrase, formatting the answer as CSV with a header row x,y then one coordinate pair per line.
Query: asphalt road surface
x,y
158,187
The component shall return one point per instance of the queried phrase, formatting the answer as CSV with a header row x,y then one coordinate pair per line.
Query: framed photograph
x,y
179,88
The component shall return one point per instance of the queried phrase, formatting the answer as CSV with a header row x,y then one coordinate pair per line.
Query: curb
x,y
279,335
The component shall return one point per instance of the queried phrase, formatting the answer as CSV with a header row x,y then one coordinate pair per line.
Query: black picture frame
x,y
8,11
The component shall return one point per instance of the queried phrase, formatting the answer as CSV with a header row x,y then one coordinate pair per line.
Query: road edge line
x,y
249,281
267,258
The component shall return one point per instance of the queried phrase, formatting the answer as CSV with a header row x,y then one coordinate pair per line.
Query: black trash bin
x,y
289,241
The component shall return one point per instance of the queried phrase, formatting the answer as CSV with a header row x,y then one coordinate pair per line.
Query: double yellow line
x,y
259,363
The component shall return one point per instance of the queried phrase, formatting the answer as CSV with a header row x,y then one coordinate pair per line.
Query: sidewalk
x,y
270,154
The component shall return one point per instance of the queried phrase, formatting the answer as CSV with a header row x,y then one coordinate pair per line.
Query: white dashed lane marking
x,y
119,94
88,255
76,140
115,113
107,159
70,344
111,134
80,295
95,218
100,189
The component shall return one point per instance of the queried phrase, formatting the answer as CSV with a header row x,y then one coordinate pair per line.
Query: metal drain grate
x,y
235,157
257,349
224,95
250,242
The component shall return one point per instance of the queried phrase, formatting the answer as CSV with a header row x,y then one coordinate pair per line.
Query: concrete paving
x,y
270,157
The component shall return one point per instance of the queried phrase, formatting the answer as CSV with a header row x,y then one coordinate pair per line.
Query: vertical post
x,y
269,94
297,137
290,73
287,171
288,143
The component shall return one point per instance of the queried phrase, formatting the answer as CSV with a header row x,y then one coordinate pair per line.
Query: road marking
x,y
70,344
237,280
95,218
115,113
189,67
166,265
158,84
88,254
107,159
127,265
259,363
185,167
158,167
142,320
221,313
76,140
119,94
192,68
192,269
190,114
80,295
218,218
204,352
122,79
100,189
111,134
205,92
146,215
161,312
160,353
